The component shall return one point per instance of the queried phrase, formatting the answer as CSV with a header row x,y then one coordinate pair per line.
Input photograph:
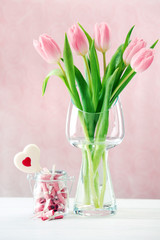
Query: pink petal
x,y
105,36
138,57
138,46
128,50
97,37
78,40
142,60
38,48
50,49
144,64
102,36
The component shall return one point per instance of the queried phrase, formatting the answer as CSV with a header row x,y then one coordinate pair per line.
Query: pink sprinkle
x,y
53,192
56,186
48,215
44,218
45,190
64,195
56,176
59,217
44,187
61,207
61,198
41,200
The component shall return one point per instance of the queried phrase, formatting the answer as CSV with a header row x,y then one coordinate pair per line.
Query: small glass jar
x,y
51,194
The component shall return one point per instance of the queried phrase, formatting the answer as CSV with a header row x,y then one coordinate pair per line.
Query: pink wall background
x,y
27,117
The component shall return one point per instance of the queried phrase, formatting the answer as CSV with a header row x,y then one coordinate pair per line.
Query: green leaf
x,y
87,35
128,38
87,103
117,59
116,62
120,89
55,72
126,72
70,73
120,77
85,69
102,125
95,73
154,44
68,62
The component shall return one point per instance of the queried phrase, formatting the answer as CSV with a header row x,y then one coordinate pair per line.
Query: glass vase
x,y
95,134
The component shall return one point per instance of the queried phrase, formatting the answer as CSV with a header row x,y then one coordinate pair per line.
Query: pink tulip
x,y
142,60
133,47
102,37
78,40
47,48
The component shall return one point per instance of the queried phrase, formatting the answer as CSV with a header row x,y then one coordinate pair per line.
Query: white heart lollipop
x,y
28,160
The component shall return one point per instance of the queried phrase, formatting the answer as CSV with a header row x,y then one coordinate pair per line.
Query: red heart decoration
x,y
27,162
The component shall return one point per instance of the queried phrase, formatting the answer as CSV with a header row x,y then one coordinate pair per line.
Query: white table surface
x,y
135,219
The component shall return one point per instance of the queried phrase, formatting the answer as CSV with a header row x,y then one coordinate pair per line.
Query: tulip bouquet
x,y
92,93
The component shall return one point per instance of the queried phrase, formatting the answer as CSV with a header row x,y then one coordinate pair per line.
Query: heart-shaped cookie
x,y
28,160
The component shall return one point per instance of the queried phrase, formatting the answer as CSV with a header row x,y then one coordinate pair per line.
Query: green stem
x,y
99,149
59,64
91,174
104,61
89,75
96,183
87,197
92,161
65,77
104,179
82,120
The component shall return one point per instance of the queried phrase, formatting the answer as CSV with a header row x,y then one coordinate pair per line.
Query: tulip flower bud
x,y
47,48
102,37
78,40
133,47
142,60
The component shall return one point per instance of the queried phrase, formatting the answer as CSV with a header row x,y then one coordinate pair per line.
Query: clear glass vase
x,y
94,134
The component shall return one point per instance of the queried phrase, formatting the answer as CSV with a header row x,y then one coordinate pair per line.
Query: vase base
x,y
91,211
